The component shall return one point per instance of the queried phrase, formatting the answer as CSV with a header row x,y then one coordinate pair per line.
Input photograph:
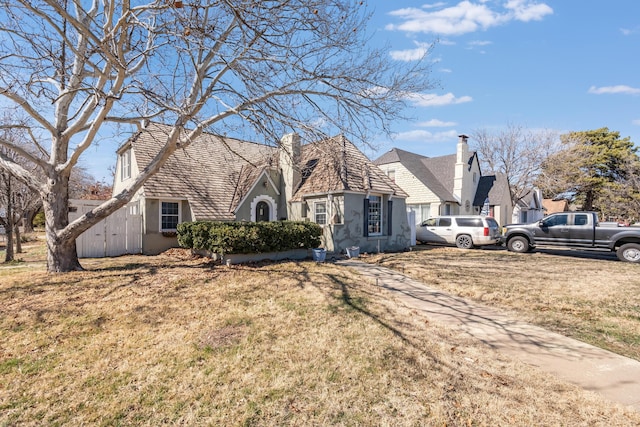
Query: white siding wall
x,y
417,191
118,183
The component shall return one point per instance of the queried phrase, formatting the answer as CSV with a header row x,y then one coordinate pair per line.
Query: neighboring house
x,y
554,206
529,208
329,182
448,185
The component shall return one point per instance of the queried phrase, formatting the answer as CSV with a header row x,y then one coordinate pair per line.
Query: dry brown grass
x,y
176,340
588,296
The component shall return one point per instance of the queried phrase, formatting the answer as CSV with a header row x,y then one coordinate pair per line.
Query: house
x,y
554,206
448,185
529,208
329,182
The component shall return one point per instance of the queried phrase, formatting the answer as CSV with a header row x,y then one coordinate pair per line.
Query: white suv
x,y
465,231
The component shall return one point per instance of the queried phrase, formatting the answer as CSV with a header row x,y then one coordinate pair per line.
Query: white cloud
x,y
435,123
623,89
525,10
636,122
479,43
426,136
433,100
466,17
410,54
446,70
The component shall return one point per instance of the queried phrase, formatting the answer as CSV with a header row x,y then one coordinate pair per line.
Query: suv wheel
x,y
629,252
464,241
518,244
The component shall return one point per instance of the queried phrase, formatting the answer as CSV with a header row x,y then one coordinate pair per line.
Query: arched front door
x,y
262,211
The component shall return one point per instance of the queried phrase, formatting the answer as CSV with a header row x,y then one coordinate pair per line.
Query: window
x,y
581,219
444,222
169,216
555,220
431,222
469,222
320,209
422,211
125,165
374,216
392,175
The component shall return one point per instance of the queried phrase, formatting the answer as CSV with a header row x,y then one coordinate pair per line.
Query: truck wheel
x,y
629,252
464,241
518,244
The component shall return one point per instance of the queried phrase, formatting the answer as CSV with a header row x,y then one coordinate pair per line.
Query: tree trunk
x,y
28,223
8,223
16,233
62,255
588,201
9,255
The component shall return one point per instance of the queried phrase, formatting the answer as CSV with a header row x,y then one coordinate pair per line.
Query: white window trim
x,y
160,202
273,207
381,208
125,167
325,213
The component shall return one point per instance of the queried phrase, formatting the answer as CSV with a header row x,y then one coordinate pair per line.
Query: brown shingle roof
x,y
215,173
336,165
206,172
553,206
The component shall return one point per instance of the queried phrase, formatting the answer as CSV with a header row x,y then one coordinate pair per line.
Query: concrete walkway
x,y
615,377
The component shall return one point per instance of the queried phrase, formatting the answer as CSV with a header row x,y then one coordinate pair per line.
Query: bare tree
x,y
16,199
516,152
79,68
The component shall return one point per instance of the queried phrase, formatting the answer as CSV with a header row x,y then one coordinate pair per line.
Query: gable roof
x,y
431,172
336,165
553,206
215,173
494,187
206,172
530,201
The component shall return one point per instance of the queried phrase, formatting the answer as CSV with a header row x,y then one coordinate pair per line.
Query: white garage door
x,y
118,234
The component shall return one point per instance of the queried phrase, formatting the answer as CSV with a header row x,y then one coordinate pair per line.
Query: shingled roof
x,y
433,172
207,172
491,186
336,165
215,173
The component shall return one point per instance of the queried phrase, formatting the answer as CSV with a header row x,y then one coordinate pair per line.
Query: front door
x,y
262,211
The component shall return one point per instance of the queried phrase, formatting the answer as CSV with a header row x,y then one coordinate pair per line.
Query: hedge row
x,y
248,237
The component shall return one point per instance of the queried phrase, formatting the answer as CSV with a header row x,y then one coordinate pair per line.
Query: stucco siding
x,y
246,210
153,241
337,238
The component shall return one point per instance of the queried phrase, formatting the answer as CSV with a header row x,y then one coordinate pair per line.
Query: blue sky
x,y
564,65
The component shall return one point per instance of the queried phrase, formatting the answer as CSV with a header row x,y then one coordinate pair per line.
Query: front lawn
x,y
172,339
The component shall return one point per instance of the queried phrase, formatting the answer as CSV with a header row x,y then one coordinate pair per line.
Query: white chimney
x,y
462,157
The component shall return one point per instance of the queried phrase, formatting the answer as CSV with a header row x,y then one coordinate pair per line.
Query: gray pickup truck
x,y
575,230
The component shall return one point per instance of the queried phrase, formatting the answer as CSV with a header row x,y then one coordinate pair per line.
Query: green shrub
x,y
248,237
39,220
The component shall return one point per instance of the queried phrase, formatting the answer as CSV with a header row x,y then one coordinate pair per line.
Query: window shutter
x,y
365,215
389,218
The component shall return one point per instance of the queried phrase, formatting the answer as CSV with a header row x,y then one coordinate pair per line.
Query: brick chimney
x,y
289,167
